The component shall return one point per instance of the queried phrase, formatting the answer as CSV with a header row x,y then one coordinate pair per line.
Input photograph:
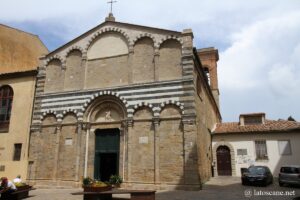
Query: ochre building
x,y
19,57
129,100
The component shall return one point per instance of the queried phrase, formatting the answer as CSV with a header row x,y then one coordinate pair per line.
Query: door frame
x,y
99,152
214,164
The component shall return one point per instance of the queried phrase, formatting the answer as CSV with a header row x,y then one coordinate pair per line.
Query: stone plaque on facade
x,y
68,141
143,140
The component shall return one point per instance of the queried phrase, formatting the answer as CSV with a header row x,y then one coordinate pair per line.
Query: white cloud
x,y
260,70
257,49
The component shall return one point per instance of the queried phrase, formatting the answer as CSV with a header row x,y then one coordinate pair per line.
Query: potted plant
x,y
90,185
115,180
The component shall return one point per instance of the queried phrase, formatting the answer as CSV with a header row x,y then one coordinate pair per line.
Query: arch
x,y
143,60
74,74
105,30
55,57
101,94
232,155
108,44
169,62
72,48
170,37
49,119
105,108
54,76
6,101
207,72
69,117
170,111
143,112
148,35
179,105
117,37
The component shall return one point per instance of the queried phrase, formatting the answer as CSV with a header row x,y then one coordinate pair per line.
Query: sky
x,y
258,41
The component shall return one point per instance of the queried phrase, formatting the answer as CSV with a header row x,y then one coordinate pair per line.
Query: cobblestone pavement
x,y
220,188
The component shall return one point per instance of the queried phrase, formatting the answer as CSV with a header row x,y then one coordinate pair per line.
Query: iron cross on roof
x,y
111,4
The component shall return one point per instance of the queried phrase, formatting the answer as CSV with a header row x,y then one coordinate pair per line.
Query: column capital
x,y
85,125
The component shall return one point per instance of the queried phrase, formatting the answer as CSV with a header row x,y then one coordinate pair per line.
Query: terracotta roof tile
x,y
19,51
268,126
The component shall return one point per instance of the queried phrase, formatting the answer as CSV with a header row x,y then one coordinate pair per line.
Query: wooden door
x,y
224,161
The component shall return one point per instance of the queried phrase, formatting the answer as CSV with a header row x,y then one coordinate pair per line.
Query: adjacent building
x,y
125,99
255,140
19,57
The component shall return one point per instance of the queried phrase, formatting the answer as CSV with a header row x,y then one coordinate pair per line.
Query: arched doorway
x,y
105,154
224,161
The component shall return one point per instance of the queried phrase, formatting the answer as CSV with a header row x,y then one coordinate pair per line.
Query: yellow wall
x,y
19,126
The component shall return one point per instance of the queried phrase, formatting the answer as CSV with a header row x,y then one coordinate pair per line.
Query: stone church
x,y
125,99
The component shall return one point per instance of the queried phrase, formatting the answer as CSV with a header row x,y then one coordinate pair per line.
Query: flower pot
x,y
96,189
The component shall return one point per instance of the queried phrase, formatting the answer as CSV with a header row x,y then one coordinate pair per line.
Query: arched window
x,y
6,99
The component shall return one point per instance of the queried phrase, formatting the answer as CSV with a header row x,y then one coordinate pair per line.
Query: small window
x,y
2,168
17,152
206,71
284,147
261,150
251,120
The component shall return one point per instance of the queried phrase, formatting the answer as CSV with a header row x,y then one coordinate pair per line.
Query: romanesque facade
x,y
124,99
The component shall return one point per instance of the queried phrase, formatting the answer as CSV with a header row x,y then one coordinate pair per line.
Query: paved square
x,y
225,188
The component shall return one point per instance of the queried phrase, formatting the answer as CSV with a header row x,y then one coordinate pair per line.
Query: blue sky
x,y
258,41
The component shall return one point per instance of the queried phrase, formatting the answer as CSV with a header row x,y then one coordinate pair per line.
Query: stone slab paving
x,y
220,188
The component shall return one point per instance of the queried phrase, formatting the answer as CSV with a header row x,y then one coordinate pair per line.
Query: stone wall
x,y
74,75
169,64
54,77
143,61
207,117
19,126
107,72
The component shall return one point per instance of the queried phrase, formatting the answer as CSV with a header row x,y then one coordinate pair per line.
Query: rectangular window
x,y
261,150
2,168
284,147
251,120
17,152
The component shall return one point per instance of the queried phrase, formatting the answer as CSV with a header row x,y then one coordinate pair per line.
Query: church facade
x,y
129,100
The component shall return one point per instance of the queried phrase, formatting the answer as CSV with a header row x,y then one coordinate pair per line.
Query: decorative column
x,y
130,56
56,157
129,148
87,127
156,150
78,148
123,134
84,66
156,59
